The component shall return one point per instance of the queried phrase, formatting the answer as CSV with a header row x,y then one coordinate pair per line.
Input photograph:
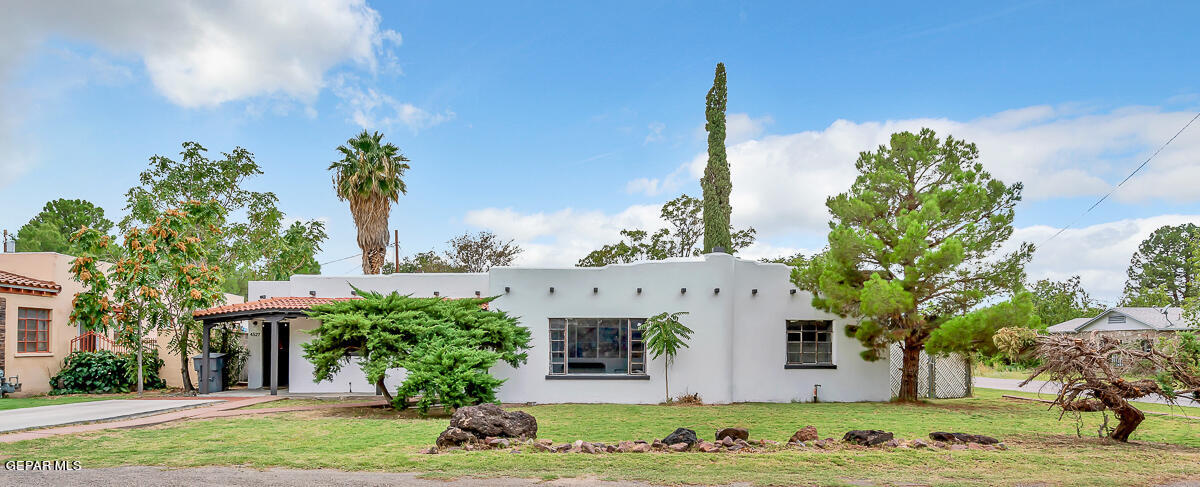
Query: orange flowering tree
x,y
156,282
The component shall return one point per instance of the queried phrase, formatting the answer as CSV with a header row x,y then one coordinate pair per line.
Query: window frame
x,y
562,331
40,331
788,331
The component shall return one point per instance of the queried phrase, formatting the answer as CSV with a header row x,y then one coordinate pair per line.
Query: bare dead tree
x,y
1094,371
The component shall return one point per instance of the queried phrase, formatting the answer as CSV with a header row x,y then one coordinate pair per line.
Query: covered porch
x,y
274,314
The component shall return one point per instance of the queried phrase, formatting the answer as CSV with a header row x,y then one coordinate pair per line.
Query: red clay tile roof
x,y
8,279
278,303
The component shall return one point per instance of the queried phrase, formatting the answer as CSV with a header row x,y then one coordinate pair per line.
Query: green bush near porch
x,y
106,372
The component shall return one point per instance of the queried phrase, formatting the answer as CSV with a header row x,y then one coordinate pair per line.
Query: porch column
x,y
207,327
275,356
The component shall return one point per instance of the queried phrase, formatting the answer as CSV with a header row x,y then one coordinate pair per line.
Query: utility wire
x,y
1123,181
341,259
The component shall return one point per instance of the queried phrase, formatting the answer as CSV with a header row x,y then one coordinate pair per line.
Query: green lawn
x,y
1042,449
29,402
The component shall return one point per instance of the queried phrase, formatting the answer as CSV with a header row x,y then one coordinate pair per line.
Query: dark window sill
x,y
597,377
809,366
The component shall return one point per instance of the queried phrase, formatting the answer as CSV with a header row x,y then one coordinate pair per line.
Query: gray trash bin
x,y
216,368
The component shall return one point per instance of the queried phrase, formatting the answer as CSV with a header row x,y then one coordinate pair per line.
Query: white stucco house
x,y
757,338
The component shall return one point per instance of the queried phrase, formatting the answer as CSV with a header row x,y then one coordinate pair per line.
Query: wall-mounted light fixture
x,y
551,289
595,290
312,293
793,291
716,290
436,294
754,292
262,296
639,290
477,293
683,290
507,289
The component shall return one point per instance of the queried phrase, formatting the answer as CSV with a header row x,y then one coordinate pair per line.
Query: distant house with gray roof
x,y
1129,323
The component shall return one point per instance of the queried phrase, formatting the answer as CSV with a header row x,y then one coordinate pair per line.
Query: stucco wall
x,y
737,352
35,369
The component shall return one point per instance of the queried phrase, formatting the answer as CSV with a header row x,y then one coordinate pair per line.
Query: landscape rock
x,y
962,438
918,443
726,442
625,446
658,445
491,420
542,446
735,433
497,442
545,442
431,451
681,435
562,448
765,442
640,448
707,447
894,443
589,448
957,447
455,437
679,447
807,433
867,437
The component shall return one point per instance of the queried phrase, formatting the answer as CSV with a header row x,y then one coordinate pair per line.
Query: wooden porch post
x,y
274,356
207,327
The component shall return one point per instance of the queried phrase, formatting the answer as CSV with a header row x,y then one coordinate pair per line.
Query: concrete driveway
x,y
89,412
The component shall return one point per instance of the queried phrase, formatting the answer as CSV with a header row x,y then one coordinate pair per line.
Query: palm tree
x,y
370,175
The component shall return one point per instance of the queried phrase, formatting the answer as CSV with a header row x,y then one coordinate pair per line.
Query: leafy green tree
x,y
1161,262
913,245
445,346
716,183
255,246
51,229
1057,301
684,229
974,331
422,262
481,252
664,335
371,177
155,284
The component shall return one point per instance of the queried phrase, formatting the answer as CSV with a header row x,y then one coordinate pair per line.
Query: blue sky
x,y
559,123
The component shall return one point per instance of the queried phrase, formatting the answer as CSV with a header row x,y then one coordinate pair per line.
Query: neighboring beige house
x,y
36,292
1144,325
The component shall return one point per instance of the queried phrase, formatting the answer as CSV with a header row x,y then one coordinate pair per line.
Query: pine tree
x,y
715,184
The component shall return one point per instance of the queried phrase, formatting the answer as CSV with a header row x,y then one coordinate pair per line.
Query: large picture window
x,y
596,346
33,330
809,342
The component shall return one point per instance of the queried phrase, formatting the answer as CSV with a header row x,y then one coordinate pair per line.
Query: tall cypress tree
x,y
715,184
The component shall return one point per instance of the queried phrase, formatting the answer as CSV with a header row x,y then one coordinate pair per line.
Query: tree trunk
x,y
386,395
909,370
1129,417
373,260
138,343
667,384
183,357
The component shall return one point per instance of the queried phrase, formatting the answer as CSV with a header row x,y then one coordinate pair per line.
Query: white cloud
x,y
656,132
1099,254
370,108
780,183
562,237
207,53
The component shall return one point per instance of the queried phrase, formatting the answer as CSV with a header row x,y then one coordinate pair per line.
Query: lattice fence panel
x,y
951,374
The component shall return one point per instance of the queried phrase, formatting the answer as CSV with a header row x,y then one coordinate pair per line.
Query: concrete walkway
x,y
1050,389
90,412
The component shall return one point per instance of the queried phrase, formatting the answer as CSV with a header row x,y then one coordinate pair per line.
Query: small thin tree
x,y
663,334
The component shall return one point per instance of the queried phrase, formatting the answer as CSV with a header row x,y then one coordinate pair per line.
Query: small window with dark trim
x,y
809,342
33,330
591,346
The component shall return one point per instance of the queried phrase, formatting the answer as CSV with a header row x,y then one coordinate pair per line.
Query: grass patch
x,y
293,402
35,401
1042,449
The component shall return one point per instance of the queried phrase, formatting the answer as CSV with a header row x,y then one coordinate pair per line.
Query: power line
x,y
1123,181
341,259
